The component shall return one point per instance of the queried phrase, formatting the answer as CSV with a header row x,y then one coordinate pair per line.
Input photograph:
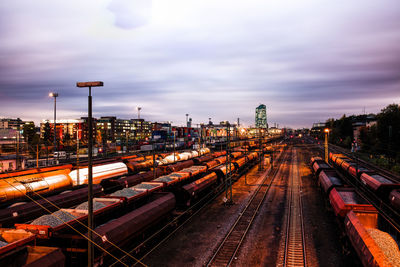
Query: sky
x,y
305,60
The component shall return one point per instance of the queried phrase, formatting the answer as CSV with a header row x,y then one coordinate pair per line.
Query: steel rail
x,y
197,207
232,241
294,250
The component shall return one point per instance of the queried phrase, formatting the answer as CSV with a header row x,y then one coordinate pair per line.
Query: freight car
x,y
380,185
32,183
373,246
17,188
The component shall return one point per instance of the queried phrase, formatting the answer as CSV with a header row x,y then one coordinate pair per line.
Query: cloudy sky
x,y
306,60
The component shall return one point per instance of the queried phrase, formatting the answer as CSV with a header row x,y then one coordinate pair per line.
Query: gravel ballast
x,y
387,244
55,219
145,186
126,192
85,206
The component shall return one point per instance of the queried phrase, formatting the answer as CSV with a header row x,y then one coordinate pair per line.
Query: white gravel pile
x,y
126,192
85,206
2,244
55,219
387,244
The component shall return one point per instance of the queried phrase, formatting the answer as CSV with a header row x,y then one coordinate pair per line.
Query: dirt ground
x,y
194,244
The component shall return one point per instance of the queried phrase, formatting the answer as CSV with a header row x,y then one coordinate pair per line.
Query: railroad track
x,y
294,249
228,248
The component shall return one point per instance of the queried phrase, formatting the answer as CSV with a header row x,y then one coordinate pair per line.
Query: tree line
x,y
379,137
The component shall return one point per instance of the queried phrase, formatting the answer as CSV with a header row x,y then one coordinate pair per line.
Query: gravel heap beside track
x,y
55,219
387,244
85,206
126,192
2,244
145,186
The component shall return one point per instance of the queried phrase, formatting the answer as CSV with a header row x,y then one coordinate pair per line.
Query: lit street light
x,y
326,131
90,169
55,95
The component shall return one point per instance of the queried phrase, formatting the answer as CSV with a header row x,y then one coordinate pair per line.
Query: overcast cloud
x,y
306,60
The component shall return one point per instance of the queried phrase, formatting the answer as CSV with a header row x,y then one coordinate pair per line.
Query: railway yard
x,y
248,204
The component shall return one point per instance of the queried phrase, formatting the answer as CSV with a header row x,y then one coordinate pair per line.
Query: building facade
x,y
261,117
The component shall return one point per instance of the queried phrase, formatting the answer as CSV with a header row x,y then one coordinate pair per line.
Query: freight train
x,y
384,187
35,182
139,202
366,233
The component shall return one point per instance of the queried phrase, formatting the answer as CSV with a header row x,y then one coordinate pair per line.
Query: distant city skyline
x,y
306,61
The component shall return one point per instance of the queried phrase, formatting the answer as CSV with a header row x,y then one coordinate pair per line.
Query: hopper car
x,y
151,202
382,186
357,217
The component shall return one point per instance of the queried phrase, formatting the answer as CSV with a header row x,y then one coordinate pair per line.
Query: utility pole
x,y
174,145
17,151
228,176
154,162
37,156
260,167
77,156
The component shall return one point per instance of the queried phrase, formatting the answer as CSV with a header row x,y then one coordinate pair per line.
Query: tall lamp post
x,y
187,129
55,95
326,131
90,169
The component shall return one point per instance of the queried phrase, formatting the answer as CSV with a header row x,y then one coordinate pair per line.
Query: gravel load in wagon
x,y
387,244
2,244
166,179
96,206
345,199
126,192
145,186
55,219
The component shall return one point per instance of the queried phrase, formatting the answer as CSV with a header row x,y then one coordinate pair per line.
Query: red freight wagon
x,y
79,215
378,183
328,179
195,188
345,199
123,229
358,224
14,239
394,199
26,212
320,165
356,170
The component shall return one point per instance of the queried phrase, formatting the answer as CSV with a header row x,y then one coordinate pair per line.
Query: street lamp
x,y
55,95
326,131
187,130
90,169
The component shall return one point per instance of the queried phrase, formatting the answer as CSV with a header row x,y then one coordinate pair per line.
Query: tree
x,y
48,134
29,132
388,129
